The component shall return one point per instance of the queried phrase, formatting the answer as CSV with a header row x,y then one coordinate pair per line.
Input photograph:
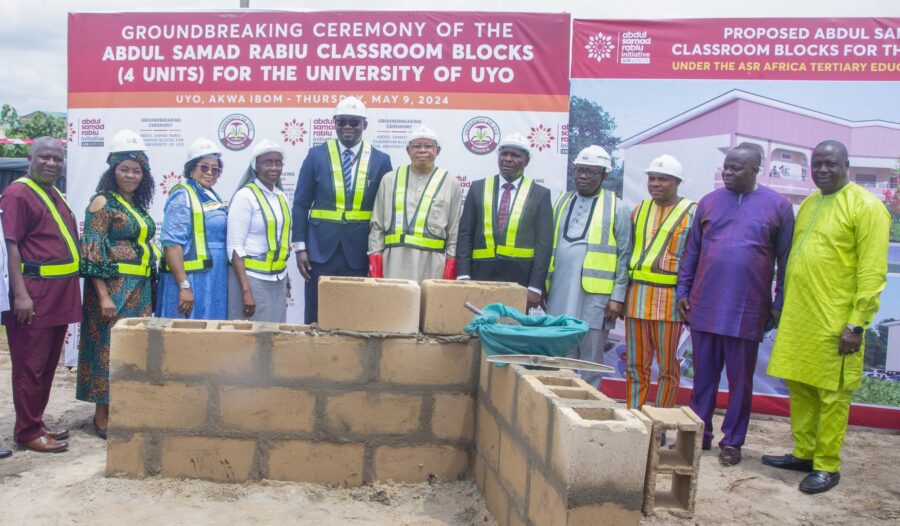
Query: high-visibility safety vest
x,y
143,268
400,233
201,260
53,269
598,271
508,249
279,242
644,264
340,212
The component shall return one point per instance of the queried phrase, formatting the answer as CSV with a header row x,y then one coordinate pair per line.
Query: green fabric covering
x,y
544,335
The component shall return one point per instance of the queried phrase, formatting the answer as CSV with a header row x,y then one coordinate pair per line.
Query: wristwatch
x,y
855,329
185,284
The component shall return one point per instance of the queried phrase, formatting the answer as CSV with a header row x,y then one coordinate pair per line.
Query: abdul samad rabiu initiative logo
x,y
599,47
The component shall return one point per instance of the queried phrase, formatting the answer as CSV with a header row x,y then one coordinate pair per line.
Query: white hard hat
x,y
665,165
594,156
203,147
126,141
516,140
423,132
351,107
265,146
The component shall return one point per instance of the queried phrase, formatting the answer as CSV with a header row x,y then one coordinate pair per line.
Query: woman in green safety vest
x,y
258,240
194,271
118,263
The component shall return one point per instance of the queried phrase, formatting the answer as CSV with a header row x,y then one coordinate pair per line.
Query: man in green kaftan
x,y
835,274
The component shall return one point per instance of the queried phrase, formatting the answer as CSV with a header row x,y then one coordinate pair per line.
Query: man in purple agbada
x,y
724,290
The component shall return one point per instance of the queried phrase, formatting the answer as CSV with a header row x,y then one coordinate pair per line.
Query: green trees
x,y
38,125
590,124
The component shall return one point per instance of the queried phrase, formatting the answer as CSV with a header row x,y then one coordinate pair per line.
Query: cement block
x,y
170,406
125,457
442,302
606,513
128,346
545,505
268,409
415,464
495,496
453,417
223,348
503,390
360,412
533,413
318,462
479,472
487,435
513,466
683,462
221,459
408,361
303,356
369,305
484,369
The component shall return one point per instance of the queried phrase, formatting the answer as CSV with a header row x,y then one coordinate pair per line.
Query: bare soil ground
x,y
70,488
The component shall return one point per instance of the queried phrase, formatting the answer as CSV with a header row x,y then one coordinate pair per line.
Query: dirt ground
x,y
69,488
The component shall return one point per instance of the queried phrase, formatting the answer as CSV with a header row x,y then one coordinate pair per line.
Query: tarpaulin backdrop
x,y
240,76
695,88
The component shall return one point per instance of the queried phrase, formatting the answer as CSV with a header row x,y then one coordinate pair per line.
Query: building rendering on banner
x,y
700,136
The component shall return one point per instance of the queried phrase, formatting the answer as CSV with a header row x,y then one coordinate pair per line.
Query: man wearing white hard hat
x,y
415,220
258,240
505,231
41,234
652,323
589,269
333,203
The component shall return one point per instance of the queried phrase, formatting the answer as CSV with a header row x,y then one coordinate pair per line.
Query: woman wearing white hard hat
x,y
194,271
259,235
118,264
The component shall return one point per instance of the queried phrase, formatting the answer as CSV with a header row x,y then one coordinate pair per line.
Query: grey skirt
x,y
270,298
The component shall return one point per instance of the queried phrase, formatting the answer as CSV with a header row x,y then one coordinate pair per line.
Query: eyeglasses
x,y
353,123
592,172
272,164
205,168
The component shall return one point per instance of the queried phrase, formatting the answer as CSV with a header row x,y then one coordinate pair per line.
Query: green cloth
x,y
818,424
545,335
835,273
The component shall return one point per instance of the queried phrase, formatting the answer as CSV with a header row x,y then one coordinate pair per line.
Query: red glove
x,y
375,266
450,268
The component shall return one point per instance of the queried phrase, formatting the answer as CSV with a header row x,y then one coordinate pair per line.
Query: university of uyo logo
x,y
236,132
481,135
599,47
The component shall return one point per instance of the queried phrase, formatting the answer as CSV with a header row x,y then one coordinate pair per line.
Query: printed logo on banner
x,y
236,132
91,133
564,139
634,47
541,137
168,181
599,47
70,131
293,132
481,135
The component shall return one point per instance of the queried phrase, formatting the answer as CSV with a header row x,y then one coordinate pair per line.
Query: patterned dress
x,y
110,237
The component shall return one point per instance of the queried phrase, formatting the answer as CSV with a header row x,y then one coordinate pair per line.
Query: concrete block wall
x,y
236,401
443,310
681,465
552,450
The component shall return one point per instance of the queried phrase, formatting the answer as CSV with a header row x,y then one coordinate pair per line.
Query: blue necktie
x,y
347,168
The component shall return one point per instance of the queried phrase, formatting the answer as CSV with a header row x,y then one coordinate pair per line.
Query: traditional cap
x,y
423,132
351,107
594,156
665,165
516,140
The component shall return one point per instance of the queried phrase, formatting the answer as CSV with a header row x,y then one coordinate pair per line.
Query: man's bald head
x,y
835,146
755,152
46,160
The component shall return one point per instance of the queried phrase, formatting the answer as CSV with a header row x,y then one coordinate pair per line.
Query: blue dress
x,y
209,286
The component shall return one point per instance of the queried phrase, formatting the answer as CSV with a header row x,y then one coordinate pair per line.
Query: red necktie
x,y
503,209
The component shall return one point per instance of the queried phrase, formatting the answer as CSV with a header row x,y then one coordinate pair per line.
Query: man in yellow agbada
x,y
835,274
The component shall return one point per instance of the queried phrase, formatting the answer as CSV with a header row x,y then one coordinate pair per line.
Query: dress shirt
x,y
247,229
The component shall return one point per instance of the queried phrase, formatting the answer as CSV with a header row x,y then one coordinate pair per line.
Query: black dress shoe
x,y
819,481
729,455
101,431
5,453
788,461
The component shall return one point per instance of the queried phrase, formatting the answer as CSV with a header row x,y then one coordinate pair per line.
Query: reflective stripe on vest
x,y
340,198
63,269
598,270
508,249
649,249
276,257
147,247
201,259
399,234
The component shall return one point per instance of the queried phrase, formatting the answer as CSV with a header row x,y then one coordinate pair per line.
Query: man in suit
x,y
505,233
333,203
588,274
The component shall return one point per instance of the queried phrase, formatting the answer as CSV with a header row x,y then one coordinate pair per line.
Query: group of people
x,y
666,264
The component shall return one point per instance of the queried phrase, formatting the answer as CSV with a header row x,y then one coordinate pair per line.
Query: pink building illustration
x,y
702,135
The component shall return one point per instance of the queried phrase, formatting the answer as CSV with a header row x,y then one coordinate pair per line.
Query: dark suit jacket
x,y
535,231
315,189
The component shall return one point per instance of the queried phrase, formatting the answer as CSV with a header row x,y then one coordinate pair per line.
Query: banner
x,y
241,76
696,88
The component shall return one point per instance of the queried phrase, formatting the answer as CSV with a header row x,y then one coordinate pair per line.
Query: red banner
x,y
746,49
